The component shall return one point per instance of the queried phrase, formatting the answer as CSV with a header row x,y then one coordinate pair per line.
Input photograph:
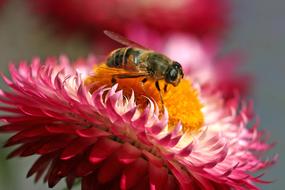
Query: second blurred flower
x,y
199,17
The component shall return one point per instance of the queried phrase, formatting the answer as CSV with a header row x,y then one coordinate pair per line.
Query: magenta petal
x,y
113,115
206,184
133,174
174,141
76,147
92,132
184,179
165,140
153,159
129,115
171,183
128,153
141,121
52,177
84,168
26,134
109,170
157,176
14,127
58,129
54,144
88,183
17,152
70,179
81,93
10,109
32,148
102,149
40,165
157,128
186,151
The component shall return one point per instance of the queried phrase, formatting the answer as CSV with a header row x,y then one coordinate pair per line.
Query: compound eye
x,y
173,74
178,67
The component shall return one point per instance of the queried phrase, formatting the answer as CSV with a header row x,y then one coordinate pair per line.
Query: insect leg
x,y
125,76
113,80
158,88
165,88
144,80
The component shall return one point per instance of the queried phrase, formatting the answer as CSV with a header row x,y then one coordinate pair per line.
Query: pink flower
x,y
199,17
109,140
2,2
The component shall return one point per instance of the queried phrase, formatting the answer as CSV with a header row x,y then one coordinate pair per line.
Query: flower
x,y
199,17
117,136
2,2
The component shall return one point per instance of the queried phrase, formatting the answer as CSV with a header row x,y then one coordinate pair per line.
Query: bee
x,y
138,61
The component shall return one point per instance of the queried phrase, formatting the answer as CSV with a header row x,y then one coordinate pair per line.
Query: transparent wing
x,y
123,40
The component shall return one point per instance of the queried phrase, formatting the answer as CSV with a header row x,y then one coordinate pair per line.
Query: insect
x,y
138,61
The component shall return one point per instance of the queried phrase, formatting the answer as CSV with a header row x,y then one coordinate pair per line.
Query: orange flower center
x,y
182,101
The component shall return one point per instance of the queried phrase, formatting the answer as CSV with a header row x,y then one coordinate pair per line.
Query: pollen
x,y
182,102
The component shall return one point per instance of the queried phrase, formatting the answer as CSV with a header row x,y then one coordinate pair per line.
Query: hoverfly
x,y
138,61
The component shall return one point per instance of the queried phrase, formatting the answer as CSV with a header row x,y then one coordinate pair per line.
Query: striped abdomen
x,y
126,58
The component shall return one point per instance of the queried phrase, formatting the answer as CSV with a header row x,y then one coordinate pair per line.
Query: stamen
x,y
182,101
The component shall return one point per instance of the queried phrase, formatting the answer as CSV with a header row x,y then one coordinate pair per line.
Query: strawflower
x,y
119,136
90,17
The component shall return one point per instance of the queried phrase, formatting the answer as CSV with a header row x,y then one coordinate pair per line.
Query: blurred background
x,y
255,29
